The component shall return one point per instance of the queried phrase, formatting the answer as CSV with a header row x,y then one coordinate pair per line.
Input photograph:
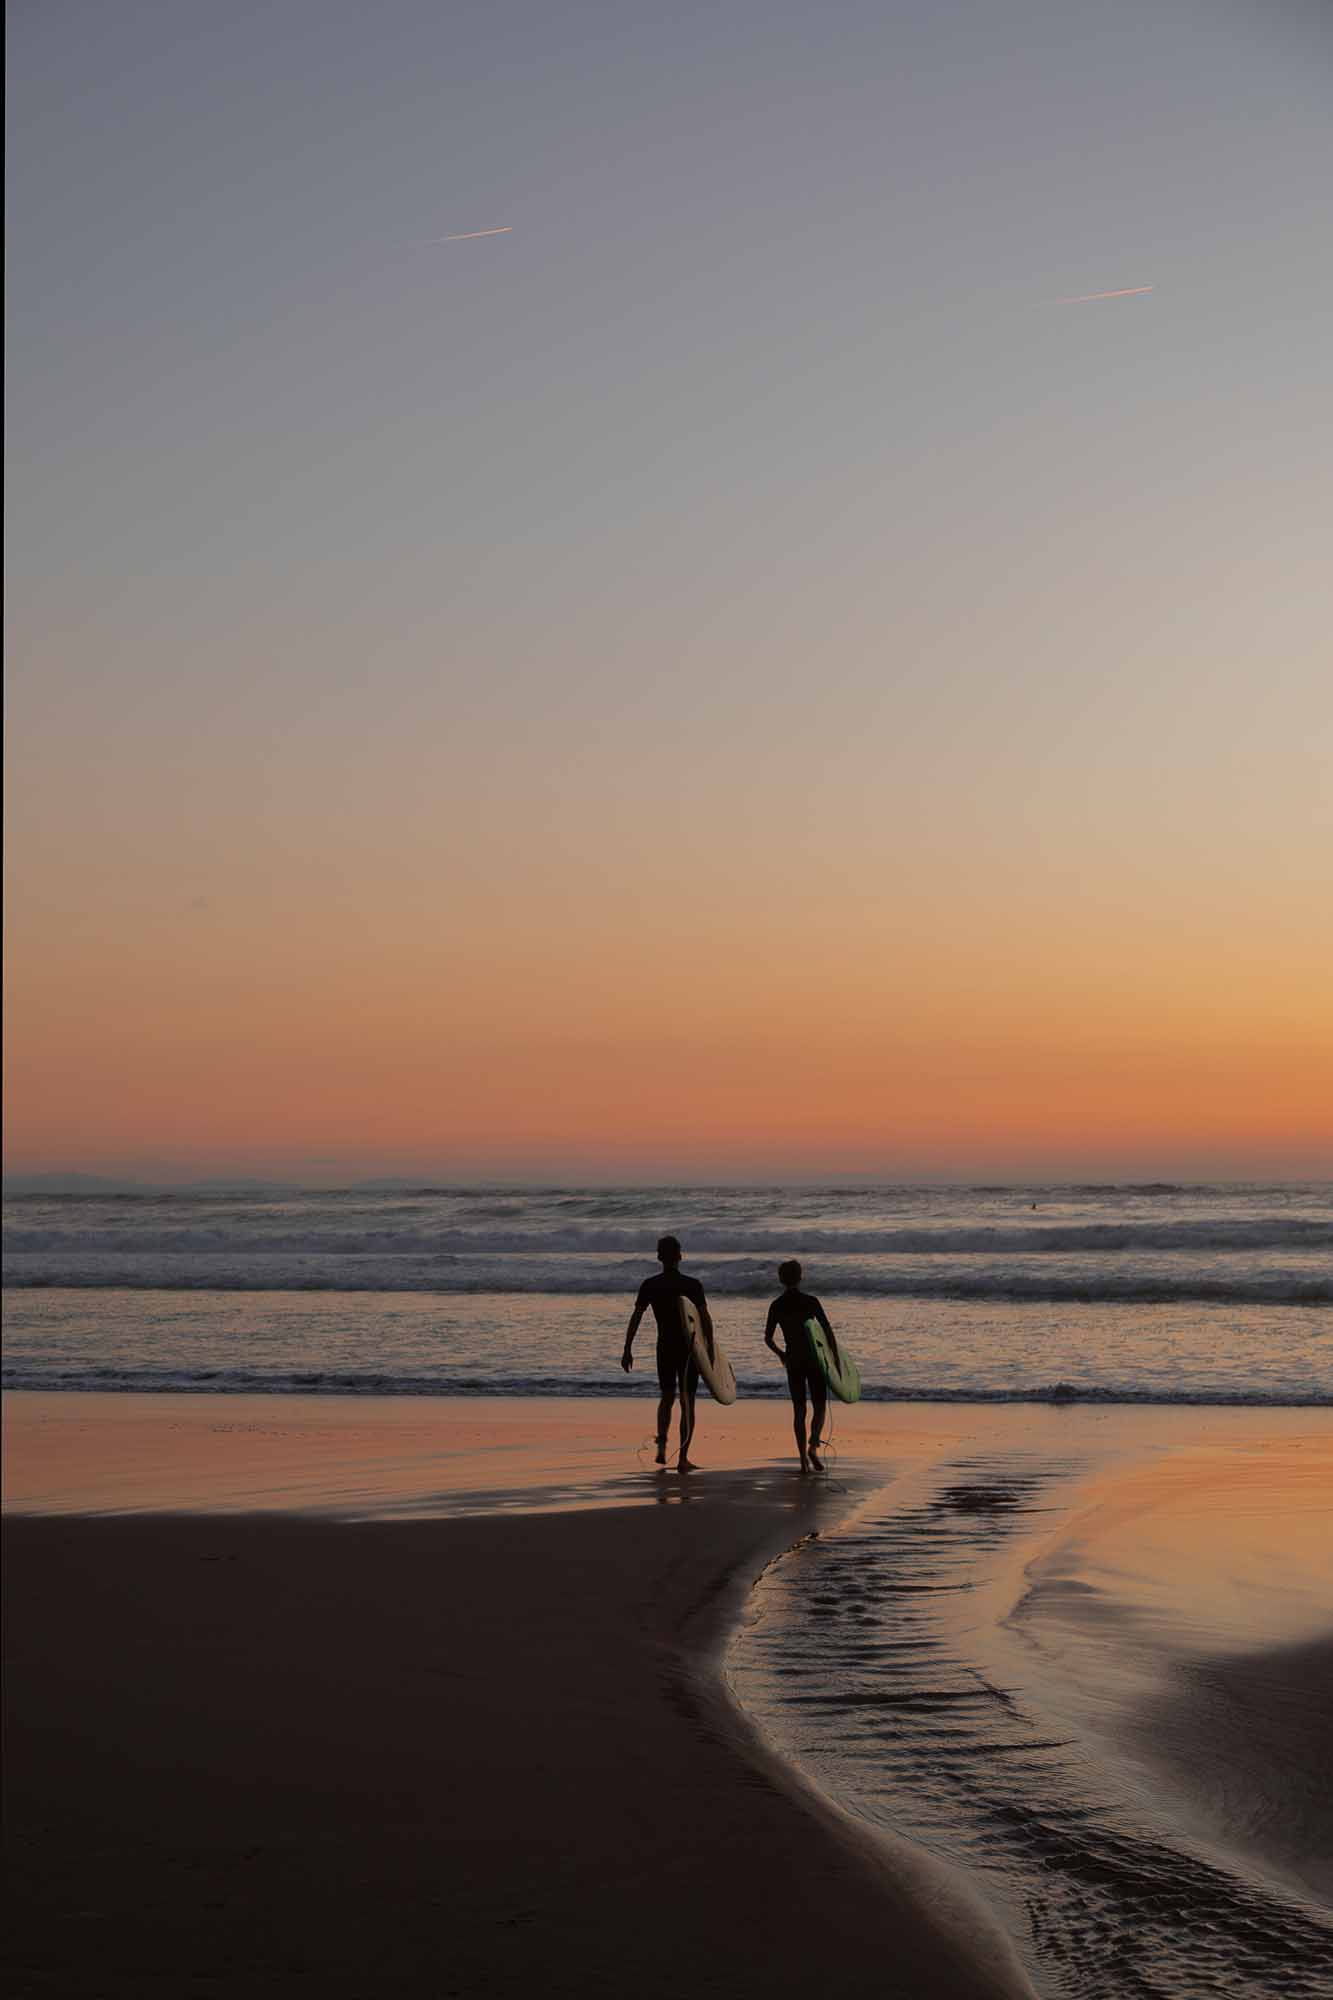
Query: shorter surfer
x,y
790,1310
677,1374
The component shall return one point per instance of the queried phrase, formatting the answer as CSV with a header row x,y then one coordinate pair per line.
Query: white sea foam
x,y
1148,1244
575,1277
251,1233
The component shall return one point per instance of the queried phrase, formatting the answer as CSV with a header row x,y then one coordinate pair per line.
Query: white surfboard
x,y
715,1367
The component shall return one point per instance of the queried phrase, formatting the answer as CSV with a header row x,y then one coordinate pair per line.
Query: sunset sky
x,y
728,676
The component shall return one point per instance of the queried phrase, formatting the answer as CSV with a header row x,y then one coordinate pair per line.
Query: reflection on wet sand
x,y
974,1660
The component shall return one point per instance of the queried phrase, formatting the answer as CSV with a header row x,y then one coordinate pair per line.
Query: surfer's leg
x,y
688,1387
796,1383
666,1386
817,1416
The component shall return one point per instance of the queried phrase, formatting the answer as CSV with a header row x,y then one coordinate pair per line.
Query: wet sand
x,y
433,1696
1086,1655
1248,1739
271,1751
1189,1613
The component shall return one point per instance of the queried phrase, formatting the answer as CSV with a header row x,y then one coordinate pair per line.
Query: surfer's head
x,y
789,1273
668,1250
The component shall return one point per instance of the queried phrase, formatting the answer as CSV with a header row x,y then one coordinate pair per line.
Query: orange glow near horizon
x,y
581,1039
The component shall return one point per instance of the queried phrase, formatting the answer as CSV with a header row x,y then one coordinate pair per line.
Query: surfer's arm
x,y
640,1308
770,1329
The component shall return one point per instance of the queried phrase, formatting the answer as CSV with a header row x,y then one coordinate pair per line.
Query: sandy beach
x,y
442,1696
262,1752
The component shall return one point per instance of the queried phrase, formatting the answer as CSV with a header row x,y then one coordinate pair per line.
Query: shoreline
x,y
187,1787
1056,1395
540,1342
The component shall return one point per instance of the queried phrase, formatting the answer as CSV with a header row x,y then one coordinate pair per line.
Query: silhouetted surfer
x,y
790,1310
676,1375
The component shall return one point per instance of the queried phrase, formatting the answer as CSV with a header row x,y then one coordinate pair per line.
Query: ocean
x,y
1151,1293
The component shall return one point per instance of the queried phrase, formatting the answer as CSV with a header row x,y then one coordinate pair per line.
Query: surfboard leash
x,y
650,1444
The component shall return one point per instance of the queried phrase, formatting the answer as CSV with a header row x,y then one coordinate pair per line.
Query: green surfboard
x,y
843,1376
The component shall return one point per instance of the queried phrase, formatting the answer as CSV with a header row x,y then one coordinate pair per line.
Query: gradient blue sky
x,y
417,648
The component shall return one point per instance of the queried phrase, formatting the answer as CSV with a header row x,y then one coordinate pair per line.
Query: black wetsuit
x,y
664,1293
790,1310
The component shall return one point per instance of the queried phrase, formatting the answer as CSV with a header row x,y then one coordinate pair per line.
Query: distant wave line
x,y
425,1240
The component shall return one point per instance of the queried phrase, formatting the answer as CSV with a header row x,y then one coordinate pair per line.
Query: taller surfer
x,y
790,1310
677,1374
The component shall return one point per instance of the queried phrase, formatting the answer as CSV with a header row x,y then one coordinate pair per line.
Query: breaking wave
x,y
1084,1283
378,1382
247,1235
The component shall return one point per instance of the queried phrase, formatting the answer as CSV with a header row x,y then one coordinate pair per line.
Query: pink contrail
x,y
468,235
1086,298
